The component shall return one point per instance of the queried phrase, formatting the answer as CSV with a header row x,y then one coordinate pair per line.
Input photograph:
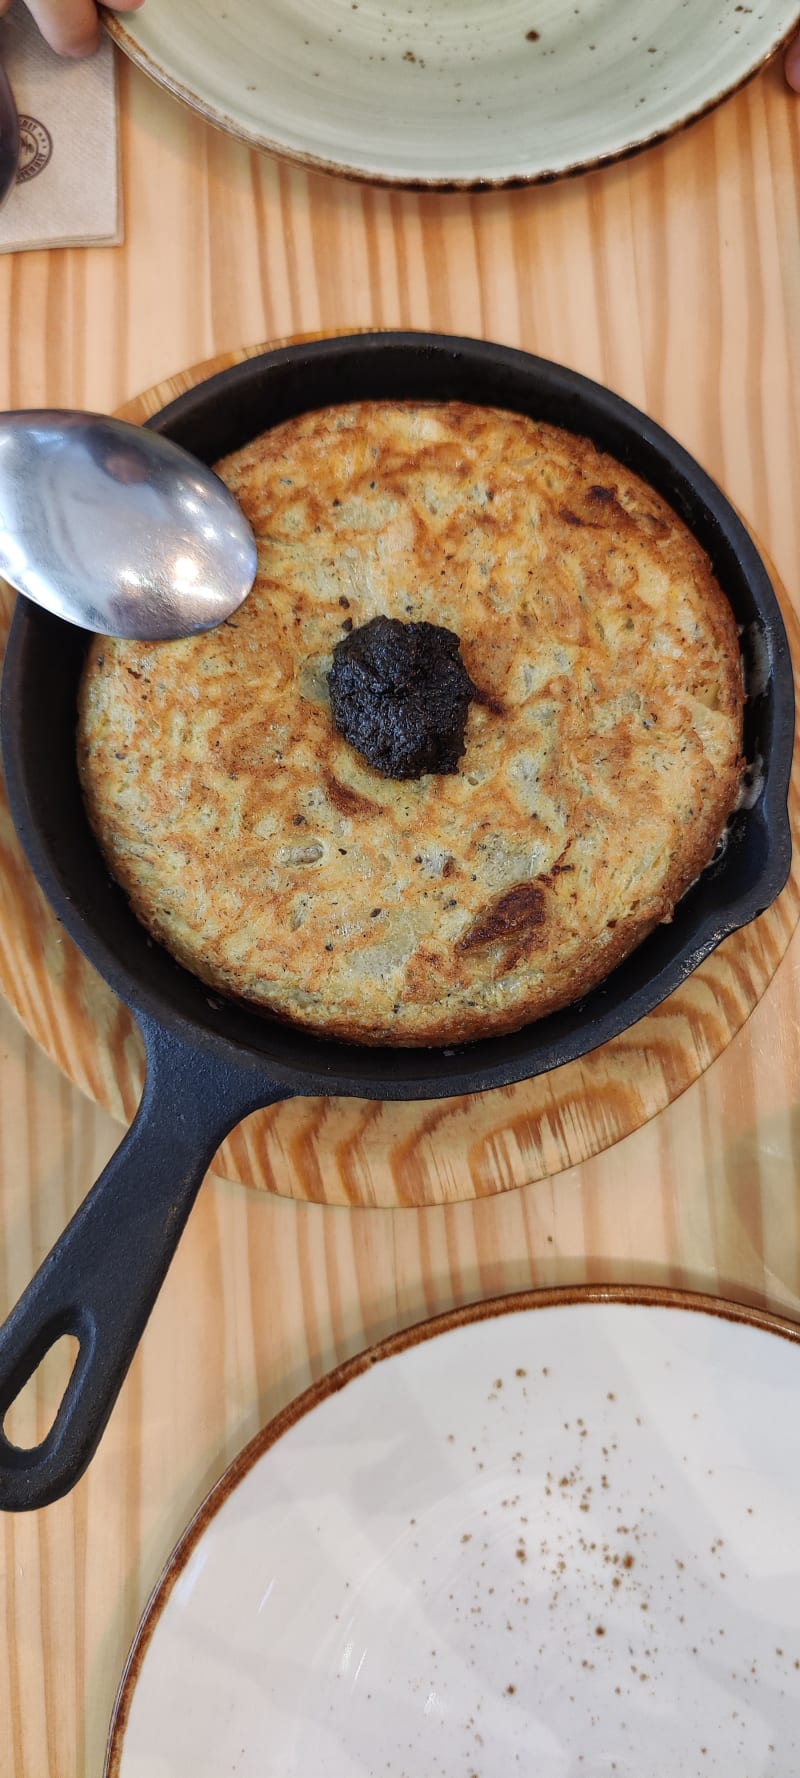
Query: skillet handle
x,y
102,1278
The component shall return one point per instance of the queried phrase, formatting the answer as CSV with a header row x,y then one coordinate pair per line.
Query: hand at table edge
x,y
792,63
71,27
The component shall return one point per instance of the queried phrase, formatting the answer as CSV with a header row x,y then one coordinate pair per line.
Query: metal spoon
x,y
117,529
9,137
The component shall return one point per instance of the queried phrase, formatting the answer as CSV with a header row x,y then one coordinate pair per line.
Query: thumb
x,y
792,64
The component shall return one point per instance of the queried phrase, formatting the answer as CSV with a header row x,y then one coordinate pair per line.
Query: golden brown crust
x,y
602,755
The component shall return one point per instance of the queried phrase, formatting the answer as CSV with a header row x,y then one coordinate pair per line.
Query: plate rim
x,y
649,1296
256,139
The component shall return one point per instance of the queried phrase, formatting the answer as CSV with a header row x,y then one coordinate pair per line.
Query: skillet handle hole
x,y
32,1414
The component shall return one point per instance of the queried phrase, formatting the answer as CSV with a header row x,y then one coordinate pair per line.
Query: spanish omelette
x,y
603,745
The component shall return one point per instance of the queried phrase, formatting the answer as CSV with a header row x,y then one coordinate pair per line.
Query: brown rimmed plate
x,y
556,1532
450,93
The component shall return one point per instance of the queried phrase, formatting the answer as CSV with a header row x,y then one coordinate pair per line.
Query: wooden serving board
x,y
356,1152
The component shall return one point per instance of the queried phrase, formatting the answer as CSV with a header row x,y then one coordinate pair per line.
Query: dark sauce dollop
x,y
400,694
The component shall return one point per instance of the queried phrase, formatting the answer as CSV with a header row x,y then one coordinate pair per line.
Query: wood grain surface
x,y
675,278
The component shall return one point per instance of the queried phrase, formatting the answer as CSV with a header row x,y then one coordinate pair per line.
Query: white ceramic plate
x,y
558,1535
443,92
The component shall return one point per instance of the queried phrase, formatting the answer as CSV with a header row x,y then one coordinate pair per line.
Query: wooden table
x,y
675,278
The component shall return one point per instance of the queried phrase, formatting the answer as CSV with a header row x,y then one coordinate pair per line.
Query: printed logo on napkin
x,y
67,189
35,149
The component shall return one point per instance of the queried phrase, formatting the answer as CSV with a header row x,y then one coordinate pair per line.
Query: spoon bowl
x,y
117,529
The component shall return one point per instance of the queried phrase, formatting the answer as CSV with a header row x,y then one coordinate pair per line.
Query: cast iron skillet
x,y
209,1062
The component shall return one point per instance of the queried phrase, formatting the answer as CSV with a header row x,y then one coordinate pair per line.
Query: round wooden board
x,y
355,1152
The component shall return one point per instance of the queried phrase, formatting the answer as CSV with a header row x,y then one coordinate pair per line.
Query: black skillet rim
x,y
296,1061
